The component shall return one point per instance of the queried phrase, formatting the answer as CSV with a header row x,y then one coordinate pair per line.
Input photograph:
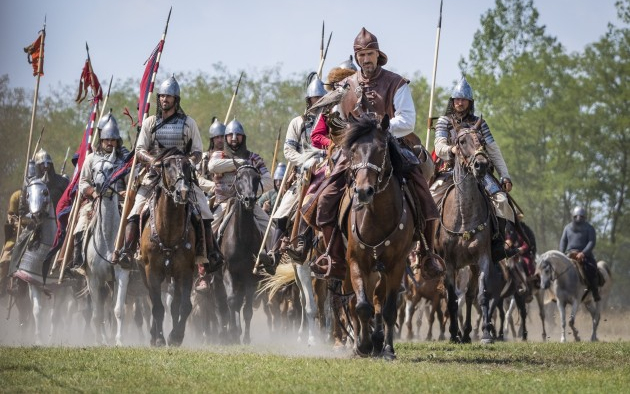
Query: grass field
x,y
420,367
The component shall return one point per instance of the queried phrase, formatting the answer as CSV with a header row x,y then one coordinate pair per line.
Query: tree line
x,y
562,119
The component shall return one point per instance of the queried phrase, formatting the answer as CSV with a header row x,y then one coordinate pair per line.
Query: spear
x,y
128,194
321,44
37,144
323,59
227,116
65,160
274,161
435,60
97,131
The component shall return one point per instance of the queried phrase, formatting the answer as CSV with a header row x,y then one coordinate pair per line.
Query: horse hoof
x,y
487,341
363,350
365,311
388,353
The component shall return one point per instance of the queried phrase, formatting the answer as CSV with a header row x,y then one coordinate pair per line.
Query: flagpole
x,y
229,111
33,113
96,132
435,61
274,161
128,197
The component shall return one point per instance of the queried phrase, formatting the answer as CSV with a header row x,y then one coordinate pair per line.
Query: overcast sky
x,y
254,35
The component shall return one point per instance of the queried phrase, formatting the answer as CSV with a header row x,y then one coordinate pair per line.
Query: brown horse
x,y
380,229
464,234
167,244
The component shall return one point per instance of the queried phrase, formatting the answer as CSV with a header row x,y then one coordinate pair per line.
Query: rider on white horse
x,y
96,169
580,236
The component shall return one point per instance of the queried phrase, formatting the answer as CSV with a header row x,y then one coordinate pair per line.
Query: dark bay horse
x,y
380,229
464,234
167,244
239,243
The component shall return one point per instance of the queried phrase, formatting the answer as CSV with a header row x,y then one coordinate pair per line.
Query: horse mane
x,y
169,152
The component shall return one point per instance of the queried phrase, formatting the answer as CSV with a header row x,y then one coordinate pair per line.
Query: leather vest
x,y
171,134
378,91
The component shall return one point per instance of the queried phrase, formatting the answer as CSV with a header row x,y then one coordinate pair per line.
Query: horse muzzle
x,y
364,195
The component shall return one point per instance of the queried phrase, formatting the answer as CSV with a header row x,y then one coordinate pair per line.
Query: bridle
x,y
180,177
240,197
355,168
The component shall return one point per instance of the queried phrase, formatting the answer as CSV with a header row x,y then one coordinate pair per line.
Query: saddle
x,y
572,255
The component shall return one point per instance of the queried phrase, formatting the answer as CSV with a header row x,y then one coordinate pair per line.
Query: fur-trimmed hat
x,y
335,75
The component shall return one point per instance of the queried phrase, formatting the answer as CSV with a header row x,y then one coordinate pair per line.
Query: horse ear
x,y
385,122
478,124
188,146
236,165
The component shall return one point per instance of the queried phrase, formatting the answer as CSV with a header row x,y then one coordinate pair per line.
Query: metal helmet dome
x,y
348,64
42,157
235,128
110,131
217,128
169,87
315,88
462,90
103,121
278,174
579,211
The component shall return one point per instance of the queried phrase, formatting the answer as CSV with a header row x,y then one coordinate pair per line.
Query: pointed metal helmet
x,y
169,87
579,211
105,119
278,174
217,129
315,88
235,128
42,157
110,129
462,90
348,65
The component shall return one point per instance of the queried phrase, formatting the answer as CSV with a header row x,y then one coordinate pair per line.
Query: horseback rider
x,y
170,127
109,154
298,151
580,236
56,183
381,93
461,111
268,198
206,182
223,164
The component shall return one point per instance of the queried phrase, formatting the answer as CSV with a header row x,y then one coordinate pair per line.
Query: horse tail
x,y
285,275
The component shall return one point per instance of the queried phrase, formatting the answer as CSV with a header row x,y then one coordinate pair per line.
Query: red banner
x,y
35,54
88,79
146,85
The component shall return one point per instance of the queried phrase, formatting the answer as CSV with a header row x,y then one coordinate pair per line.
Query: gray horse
x,y
99,246
559,273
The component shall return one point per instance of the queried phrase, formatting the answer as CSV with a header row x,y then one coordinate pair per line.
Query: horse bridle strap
x,y
379,170
239,196
467,234
168,251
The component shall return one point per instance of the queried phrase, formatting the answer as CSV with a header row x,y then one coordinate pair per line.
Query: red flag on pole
x,y
88,79
146,85
35,53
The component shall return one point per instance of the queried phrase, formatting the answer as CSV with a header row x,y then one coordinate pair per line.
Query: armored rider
x,y
56,183
461,111
579,236
169,128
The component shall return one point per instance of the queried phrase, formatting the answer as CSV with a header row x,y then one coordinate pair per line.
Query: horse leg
x,y
122,282
522,308
434,306
470,302
36,301
389,316
593,308
441,321
484,300
24,306
378,334
510,319
574,308
309,307
452,306
541,312
563,322
409,312
221,303
501,319
248,312
157,310
364,311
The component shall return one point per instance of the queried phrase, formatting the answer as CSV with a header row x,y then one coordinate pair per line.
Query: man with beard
x,y
223,165
170,128
206,182
461,111
579,236
92,171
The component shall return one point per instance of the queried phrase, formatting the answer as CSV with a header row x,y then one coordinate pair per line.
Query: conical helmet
x,y
42,157
579,211
278,174
235,128
169,87
315,88
462,90
217,129
105,119
348,64
110,129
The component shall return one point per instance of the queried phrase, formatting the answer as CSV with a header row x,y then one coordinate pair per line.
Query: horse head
x,y
246,184
176,174
471,152
38,198
366,144
545,269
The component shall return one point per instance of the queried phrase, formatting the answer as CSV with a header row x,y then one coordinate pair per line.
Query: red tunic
x,y
319,135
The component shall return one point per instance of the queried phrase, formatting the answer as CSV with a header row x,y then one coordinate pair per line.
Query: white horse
x,y
98,245
27,261
558,272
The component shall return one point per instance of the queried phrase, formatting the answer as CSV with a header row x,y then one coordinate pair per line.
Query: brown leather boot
x,y
303,246
124,257
332,264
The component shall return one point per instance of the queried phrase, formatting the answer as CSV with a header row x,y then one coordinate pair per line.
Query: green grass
x,y
420,367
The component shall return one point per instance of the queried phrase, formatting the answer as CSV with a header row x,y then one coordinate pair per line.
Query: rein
x,y
373,167
239,196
